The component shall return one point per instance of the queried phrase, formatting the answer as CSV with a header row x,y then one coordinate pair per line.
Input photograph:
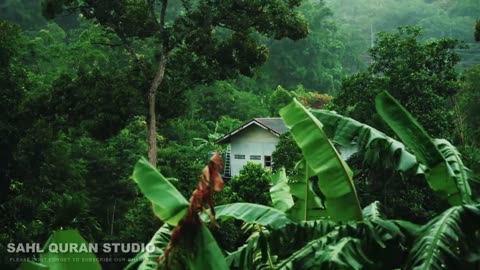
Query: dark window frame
x,y
255,157
267,161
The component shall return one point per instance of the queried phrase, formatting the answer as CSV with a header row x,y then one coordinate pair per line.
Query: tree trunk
x,y
157,81
113,217
152,124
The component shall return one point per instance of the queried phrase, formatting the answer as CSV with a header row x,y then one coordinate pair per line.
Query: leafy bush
x,y
251,185
286,154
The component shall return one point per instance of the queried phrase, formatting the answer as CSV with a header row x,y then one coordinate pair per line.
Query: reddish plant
x,y
202,196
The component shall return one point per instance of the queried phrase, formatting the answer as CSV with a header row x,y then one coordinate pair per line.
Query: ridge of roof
x,y
273,124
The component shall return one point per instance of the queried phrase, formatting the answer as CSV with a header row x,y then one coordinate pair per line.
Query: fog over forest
x,y
341,32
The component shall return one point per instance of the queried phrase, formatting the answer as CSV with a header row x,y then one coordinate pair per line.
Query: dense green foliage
x,y
11,78
439,19
315,62
286,154
469,102
368,240
251,185
421,75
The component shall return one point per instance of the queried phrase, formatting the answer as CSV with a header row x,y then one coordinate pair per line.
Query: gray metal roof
x,y
273,124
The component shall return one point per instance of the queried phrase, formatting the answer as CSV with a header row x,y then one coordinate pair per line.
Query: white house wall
x,y
254,140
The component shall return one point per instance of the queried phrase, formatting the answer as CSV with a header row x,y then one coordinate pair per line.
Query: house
x,y
255,141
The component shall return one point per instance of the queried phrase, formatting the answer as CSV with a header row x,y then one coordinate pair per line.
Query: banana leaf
x,y
334,175
456,170
378,147
307,204
195,248
70,260
445,176
281,243
245,257
374,243
373,211
168,203
206,252
149,258
252,213
449,241
280,191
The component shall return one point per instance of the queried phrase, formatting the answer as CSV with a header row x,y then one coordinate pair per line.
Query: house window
x,y
255,157
267,162
239,156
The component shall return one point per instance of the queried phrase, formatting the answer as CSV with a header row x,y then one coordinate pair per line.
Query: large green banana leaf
x,y
247,256
371,244
253,213
168,203
195,249
374,243
456,170
334,176
291,237
307,205
206,252
148,259
281,243
280,191
444,176
378,147
71,260
448,240
343,254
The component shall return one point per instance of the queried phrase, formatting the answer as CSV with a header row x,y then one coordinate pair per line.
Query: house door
x,y
267,162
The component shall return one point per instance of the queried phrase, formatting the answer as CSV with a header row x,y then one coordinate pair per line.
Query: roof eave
x,y
226,138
